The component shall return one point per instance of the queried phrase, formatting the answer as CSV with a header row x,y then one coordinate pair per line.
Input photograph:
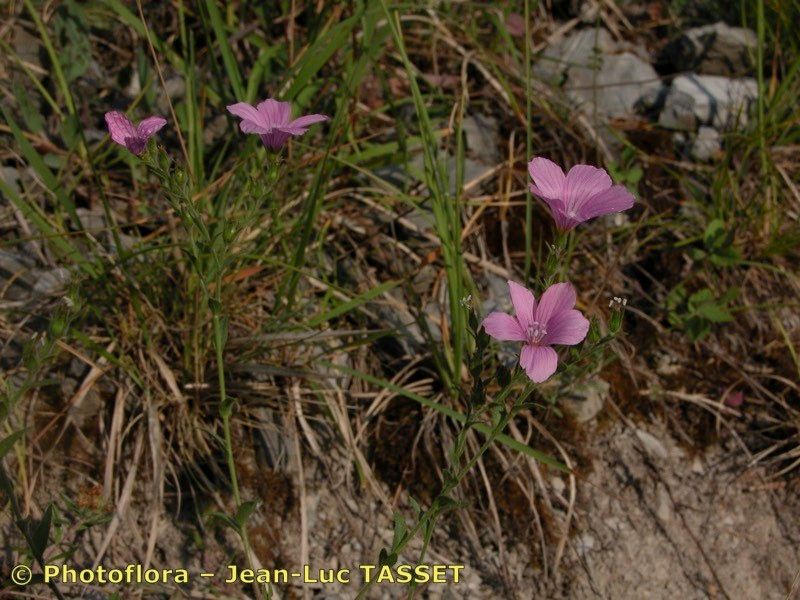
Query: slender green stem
x,y
225,408
58,72
528,144
428,518
761,27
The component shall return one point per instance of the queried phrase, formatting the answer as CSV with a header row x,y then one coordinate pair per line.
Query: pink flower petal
x,y
524,303
275,139
300,125
613,200
581,183
568,327
274,112
735,399
248,126
503,327
547,177
515,24
137,145
539,362
557,298
271,119
557,210
120,127
247,112
252,120
149,126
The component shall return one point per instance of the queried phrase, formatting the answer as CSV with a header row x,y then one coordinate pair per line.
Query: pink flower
x,y
133,137
582,194
272,121
552,321
735,399
515,24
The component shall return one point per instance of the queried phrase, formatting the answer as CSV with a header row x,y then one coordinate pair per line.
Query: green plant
x,y
699,312
627,170
717,246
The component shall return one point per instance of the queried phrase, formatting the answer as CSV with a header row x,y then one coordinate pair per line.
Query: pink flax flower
x,y
582,194
515,24
272,120
553,320
133,137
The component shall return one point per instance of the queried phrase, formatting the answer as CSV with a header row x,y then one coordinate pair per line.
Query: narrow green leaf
x,y
59,240
243,513
41,533
228,59
455,415
36,162
8,442
346,307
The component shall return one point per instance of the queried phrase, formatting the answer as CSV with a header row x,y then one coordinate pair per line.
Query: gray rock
x,y
94,135
711,100
481,134
410,336
580,49
616,87
603,78
10,176
174,88
652,444
422,218
93,220
664,507
496,297
473,170
16,278
707,145
21,280
26,46
68,387
716,49
653,99
585,401
51,281
589,12
585,544
134,87
215,129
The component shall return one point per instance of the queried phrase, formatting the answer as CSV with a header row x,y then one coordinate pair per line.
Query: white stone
x,y
585,401
707,145
711,100
715,49
664,508
651,444
582,48
618,84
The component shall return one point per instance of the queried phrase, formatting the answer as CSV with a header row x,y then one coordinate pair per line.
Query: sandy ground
x,y
656,522
651,520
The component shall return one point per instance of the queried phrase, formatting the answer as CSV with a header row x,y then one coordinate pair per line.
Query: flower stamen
x,y
536,332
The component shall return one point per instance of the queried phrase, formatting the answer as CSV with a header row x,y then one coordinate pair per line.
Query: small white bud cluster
x,y
466,301
618,303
